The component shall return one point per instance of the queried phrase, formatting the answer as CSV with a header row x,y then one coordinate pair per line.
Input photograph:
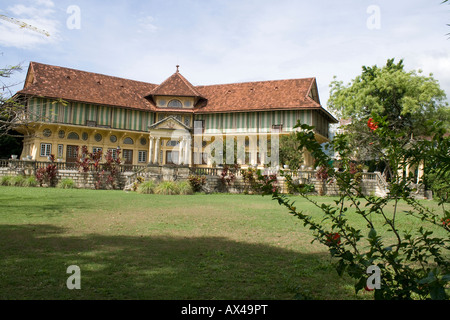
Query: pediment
x,y
169,123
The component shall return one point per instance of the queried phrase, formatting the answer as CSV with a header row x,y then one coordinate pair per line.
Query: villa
x,y
173,122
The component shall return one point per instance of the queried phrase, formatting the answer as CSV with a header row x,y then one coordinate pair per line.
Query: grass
x,y
149,246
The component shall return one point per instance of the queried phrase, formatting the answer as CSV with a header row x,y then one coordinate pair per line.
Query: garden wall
x,y
370,186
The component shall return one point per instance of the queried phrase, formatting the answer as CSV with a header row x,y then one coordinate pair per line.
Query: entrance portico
x,y
170,143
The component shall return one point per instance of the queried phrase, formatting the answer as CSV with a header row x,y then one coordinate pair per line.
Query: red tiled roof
x,y
176,85
75,85
259,96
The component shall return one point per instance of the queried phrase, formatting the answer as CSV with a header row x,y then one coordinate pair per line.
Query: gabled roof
x,y
175,85
168,120
87,87
259,96
75,85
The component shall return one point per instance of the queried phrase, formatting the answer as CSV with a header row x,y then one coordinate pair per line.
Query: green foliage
x,y
184,188
167,188
413,261
290,152
404,98
6,180
30,182
17,181
147,187
66,183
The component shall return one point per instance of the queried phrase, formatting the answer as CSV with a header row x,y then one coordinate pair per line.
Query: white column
x,y
254,150
156,158
150,150
180,152
187,152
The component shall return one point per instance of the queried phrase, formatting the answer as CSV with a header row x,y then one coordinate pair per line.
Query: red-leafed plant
x,y
48,174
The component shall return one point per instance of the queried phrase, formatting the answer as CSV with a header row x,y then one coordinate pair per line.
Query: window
x,y
142,156
73,136
98,137
172,143
187,121
143,141
96,149
113,153
61,134
85,136
113,139
128,141
60,151
47,133
175,104
277,128
46,149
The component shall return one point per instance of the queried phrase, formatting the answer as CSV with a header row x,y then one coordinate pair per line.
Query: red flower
x,y
372,124
368,289
333,238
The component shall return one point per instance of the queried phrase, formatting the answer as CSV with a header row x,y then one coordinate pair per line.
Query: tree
x,y
290,152
406,98
410,103
10,140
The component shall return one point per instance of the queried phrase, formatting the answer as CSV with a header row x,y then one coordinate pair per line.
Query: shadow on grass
x,y
34,260
46,205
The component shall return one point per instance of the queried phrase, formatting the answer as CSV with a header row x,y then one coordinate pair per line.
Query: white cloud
x,y
47,3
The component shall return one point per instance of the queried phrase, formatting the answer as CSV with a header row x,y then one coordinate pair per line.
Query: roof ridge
x,y
252,82
190,87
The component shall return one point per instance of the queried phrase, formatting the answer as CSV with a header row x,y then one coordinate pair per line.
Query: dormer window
x,y
175,104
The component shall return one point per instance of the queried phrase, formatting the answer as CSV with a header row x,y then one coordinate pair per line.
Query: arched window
x,y
128,141
73,136
175,104
173,143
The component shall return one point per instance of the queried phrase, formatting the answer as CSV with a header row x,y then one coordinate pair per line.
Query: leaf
x,y
372,233
438,293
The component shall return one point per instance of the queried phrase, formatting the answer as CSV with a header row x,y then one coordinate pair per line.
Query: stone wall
x,y
370,186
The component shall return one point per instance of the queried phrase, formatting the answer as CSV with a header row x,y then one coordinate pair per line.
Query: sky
x,y
228,41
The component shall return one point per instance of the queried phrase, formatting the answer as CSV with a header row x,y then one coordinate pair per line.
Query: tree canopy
x,y
405,98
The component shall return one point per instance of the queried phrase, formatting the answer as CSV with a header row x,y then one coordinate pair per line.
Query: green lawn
x,y
135,246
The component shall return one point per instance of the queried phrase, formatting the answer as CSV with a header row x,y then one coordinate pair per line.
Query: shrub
x,y
197,182
185,188
66,184
167,188
48,174
147,187
30,182
412,261
6,181
17,181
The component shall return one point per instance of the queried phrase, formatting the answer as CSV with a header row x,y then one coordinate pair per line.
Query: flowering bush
x,y
106,174
228,175
197,182
372,124
48,174
413,260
